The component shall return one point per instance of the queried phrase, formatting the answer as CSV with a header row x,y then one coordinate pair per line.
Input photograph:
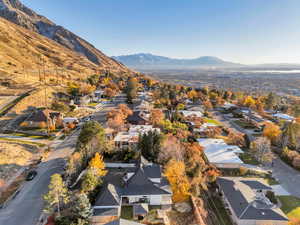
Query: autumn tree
x,y
86,89
131,89
109,92
97,164
271,101
175,173
272,132
249,102
90,181
261,148
156,116
171,149
57,195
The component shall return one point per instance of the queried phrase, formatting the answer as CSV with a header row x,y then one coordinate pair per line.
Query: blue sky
x,y
245,31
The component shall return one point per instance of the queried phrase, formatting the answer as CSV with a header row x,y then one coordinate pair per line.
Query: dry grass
x,y
26,56
14,156
177,218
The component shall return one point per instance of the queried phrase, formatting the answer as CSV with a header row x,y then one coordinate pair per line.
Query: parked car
x,y
31,175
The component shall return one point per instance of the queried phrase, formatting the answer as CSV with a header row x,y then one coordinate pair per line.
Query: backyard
x,y
291,207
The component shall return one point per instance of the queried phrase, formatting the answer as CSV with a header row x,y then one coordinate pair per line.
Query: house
x,y
282,116
122,222
187,113
220,154
247,201
139,117
137,185
129,139
144,106
44,118
98,95
70,120
204,128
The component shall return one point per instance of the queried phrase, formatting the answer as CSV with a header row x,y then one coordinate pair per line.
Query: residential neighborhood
x,y
92,139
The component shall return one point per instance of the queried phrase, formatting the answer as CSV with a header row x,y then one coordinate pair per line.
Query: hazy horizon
x,y
246,32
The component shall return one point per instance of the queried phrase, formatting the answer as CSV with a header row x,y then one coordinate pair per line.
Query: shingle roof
x,y
140,184
244,205
140,209
109,196
256,185
106,212
152,171
123,222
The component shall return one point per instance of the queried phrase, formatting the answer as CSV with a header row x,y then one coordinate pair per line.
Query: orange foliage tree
x,y
175,173
272,132
156,116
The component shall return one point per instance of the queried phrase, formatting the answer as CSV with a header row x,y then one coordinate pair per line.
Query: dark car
x,y
31,175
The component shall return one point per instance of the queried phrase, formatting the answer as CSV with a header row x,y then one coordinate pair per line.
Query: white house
x,y
187,113
131,137
248,203
140,186
221,154
282,116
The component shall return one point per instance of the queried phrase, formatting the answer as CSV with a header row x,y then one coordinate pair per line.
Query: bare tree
x,y
262,150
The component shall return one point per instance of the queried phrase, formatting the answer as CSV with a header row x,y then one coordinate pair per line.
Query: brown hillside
x,y
25,56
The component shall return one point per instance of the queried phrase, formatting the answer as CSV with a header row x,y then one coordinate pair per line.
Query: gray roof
x,y
109,196
245,209
256,185
152,171
140,184
140,209
123,222
106,212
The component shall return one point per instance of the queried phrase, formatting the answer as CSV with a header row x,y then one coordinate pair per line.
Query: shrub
x,y
296,162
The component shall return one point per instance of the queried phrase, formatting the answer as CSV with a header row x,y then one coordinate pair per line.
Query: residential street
x,y
27,206
288,177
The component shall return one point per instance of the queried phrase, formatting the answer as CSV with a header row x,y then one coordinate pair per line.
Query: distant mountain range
x,y
146,60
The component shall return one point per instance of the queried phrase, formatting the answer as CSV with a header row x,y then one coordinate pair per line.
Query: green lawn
x,y
248,158
271,181
209,120
93,103
290,206
127,212
243,124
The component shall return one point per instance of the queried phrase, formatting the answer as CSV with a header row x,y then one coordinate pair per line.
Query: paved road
x,y
27,206
288,177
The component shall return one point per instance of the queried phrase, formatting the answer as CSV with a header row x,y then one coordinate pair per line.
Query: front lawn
x,y
216,122
290,206
243,124
127,212
248,158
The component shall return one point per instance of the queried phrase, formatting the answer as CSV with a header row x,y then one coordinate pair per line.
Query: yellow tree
x,y
175,173
192,94
97,164
249,101
272,132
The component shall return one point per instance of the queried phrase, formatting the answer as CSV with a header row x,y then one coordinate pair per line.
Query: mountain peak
x,y
14,11
152,61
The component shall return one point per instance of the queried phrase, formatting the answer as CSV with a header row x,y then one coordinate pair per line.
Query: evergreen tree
x,y
82,207
58,194
150,144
